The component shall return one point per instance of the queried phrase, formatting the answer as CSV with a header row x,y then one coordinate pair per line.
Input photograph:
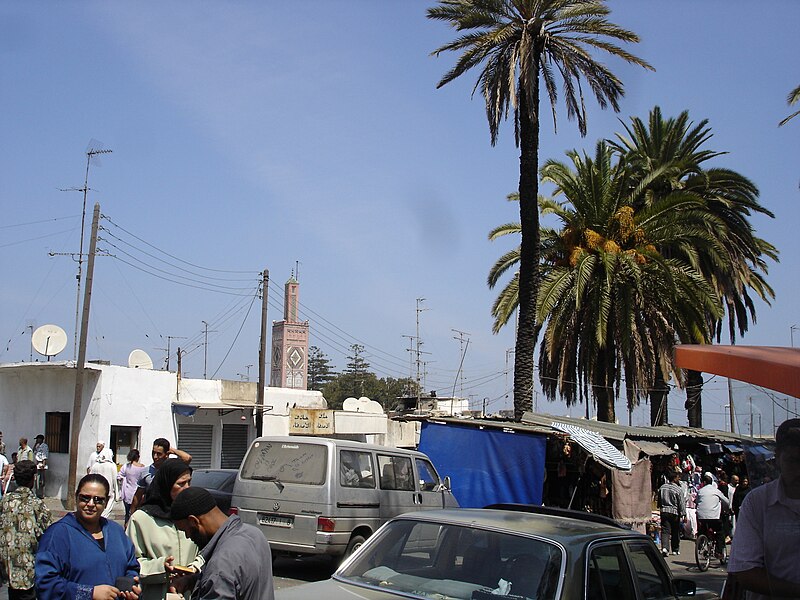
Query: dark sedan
x,y
497,554
219,482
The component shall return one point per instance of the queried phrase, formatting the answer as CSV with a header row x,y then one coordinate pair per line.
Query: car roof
x,y
566,530
340,443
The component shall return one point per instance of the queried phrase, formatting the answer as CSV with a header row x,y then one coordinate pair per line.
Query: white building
x,y
213,420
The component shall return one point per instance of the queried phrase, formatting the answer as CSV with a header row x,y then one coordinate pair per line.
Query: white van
x,y
313,495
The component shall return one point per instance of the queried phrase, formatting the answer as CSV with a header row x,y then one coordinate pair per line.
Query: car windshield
x,y
285,462
443,561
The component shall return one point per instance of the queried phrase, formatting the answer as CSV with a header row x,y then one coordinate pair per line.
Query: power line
x,y
38,222
173,256
166,262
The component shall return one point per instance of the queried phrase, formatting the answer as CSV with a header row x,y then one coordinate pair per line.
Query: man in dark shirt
x,y
235,568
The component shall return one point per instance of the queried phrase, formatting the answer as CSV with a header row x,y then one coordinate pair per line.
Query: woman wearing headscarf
x,y
157,541
84,556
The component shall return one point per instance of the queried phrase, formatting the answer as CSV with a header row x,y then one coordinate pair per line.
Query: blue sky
x,y
251,135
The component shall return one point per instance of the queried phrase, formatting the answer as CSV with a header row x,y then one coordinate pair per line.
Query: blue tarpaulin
x,y
185,410
487,466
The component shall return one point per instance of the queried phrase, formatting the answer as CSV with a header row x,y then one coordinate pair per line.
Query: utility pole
x,y
205,349
169,345
751,417
462,352
732,409
79,365
464,349
262,355
178,378
419,344
85,189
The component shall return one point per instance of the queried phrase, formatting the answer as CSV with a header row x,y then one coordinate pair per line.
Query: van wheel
x,y
355,543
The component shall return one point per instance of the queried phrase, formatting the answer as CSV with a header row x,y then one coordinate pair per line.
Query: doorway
x,y
123,440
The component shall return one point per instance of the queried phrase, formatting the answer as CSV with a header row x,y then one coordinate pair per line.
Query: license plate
x,y
275,520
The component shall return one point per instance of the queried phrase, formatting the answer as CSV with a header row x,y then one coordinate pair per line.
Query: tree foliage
x,y
320,370
514,43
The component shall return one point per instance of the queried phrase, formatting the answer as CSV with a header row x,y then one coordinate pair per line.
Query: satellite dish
x,y
139,359
49,340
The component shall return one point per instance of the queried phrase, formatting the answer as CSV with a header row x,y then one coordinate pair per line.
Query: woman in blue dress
x,y
81,556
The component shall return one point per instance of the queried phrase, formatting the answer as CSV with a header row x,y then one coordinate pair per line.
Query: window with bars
x,y
56,431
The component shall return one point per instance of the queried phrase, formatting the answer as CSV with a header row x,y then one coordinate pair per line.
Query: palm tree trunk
x,y
694,398
529,247
658,402
603,388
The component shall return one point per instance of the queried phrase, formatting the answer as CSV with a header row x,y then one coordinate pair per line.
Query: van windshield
x,y
286,462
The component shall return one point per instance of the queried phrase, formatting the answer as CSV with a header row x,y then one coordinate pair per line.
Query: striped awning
x,y
596,445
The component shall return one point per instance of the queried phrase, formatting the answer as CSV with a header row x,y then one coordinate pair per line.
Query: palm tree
x,y
516,42
667,155
792,99
611,303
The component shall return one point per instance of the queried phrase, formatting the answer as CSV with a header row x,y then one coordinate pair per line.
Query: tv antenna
x,y
93,150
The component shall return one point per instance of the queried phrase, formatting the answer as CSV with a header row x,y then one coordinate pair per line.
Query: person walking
x,y
739,495
234,552
83,555
157,541
5,473
127,479
161,452
765,551
41,453
672,505
102,462
23,520
24,452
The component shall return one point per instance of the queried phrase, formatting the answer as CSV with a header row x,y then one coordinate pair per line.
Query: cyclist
x,y
710,504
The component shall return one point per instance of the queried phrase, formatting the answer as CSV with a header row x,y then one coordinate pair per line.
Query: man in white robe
x,y
102,461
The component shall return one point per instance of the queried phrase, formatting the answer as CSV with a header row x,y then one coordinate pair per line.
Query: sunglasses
x,y
98,500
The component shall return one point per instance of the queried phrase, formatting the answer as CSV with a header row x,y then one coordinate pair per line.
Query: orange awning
x,y
768,366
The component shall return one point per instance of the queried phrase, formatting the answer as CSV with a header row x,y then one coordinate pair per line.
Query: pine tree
x,y
320,370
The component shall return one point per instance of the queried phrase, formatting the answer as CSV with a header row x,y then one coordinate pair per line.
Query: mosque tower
x,y
290,342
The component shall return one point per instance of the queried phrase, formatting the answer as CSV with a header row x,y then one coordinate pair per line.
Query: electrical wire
x,y
38,222
33,239
166,262
198,287
108,219
235,338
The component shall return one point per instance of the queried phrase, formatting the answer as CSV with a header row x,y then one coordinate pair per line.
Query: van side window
x,y
396,473
428,479
355,469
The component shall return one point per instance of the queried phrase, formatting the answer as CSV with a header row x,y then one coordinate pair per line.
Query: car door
x,y
430,494
608,575
649,571
396,479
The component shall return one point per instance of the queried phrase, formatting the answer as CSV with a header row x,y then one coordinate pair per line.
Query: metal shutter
x,y
234,445
196,440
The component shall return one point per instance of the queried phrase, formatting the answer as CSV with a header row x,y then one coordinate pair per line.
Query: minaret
x,y
290,342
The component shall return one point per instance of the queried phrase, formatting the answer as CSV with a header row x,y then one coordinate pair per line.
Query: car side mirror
x,y
684,587
446,484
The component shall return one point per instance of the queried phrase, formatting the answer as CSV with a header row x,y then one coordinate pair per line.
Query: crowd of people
x,y
692,501
39,455
176,543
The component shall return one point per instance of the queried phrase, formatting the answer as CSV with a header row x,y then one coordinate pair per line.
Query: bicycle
x,y
705,548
